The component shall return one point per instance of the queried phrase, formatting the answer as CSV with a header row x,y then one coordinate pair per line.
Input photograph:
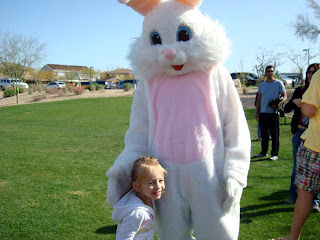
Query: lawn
x,y
52,173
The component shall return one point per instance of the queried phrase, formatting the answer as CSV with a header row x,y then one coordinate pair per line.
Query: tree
x,y
18,53
300,60
46,76
267,57
306,29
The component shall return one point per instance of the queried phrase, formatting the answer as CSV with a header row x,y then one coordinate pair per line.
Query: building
x,y
28,74
120,74
70,72
292,75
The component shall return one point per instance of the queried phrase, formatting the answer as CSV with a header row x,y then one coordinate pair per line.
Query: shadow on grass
x,y
277,201
276,196
107,229
259,159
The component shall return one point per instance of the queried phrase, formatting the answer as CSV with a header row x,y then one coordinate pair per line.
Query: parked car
x,y
250,81
56,84
286,80
133,82
245,78
9,82
104,83
85,85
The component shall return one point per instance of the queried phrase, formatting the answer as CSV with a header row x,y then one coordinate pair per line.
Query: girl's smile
x,y
151,187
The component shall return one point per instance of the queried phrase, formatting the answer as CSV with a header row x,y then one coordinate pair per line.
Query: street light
x,y
307,50
90,72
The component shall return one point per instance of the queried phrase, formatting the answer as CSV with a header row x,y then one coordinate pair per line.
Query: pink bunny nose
x,y
170,53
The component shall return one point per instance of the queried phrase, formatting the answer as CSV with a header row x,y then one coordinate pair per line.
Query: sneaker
x,y
315,207
290,200
274,158
260,155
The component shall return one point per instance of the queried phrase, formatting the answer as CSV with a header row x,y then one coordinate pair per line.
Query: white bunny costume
x,y
186,111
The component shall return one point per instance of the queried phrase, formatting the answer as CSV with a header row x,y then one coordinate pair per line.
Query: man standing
x,y
271,94
308,159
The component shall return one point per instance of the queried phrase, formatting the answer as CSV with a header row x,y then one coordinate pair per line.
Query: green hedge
x,y
9,92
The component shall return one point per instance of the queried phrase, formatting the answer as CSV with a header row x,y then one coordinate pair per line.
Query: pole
x,y
90,73
307,50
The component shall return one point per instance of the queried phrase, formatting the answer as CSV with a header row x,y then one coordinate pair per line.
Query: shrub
x,y
65,90
8,92
127,87
40,87
92,87
52,90
78,90
62,91
39,98
21,90
69,87
244,89
100,87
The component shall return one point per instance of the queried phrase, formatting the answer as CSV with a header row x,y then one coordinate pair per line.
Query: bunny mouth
x,y
177,67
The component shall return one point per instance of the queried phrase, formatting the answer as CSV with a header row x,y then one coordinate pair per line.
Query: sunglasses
x,y
269,71
311,72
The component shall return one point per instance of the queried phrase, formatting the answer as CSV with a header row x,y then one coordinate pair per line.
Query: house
x,y
28,74
70,72
120,74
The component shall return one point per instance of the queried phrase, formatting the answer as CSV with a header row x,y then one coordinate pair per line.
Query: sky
x,y
98,33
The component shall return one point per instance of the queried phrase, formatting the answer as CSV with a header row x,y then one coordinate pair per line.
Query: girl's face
x,y
151,187
310,73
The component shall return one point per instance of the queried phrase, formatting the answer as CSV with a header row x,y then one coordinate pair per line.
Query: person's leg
x,y
275,134
301,213
259,133
264,130
296,140
308,182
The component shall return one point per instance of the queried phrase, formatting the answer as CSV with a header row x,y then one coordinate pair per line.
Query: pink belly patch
x,y
185,114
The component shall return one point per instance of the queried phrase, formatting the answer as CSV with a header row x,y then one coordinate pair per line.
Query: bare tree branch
x,y
18,53
305,29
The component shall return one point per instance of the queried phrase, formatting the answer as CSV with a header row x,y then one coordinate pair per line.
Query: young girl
x,y
135,212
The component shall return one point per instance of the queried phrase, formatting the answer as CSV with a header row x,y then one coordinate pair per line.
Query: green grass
x,y
53,159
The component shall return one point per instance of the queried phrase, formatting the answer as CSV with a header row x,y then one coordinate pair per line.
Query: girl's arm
x,y
130,225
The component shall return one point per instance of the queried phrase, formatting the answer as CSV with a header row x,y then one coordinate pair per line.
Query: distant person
x,y
299,124
271,95
258,128
135,212
308,159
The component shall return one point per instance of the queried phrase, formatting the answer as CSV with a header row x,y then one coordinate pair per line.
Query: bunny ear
x,y
141,6
194,3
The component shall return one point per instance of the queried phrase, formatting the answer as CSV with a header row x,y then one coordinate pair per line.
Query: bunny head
x,y
176,39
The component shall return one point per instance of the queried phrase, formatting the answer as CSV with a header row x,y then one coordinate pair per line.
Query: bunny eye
x,y
183,34
155,38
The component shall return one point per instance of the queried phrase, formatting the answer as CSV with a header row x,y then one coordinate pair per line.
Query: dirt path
x,y
247,98
38,97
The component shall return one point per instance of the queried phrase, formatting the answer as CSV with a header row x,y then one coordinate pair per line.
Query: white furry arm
x,y
136,145
237,140
234,192
236,133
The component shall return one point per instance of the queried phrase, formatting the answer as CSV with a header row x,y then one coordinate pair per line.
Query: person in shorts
x,y
308,159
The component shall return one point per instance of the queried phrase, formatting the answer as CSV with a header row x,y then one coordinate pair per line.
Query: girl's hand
x,y
297,102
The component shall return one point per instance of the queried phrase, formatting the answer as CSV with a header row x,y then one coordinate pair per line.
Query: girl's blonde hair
x,y
141,168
